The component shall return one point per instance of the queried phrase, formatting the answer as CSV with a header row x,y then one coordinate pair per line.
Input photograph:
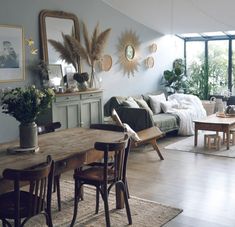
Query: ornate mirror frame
x,y
128,49
44,14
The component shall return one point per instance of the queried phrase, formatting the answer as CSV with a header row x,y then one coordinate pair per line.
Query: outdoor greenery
x,y
208,75
25,104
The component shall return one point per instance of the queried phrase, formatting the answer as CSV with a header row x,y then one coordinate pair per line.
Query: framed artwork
x,y
12,55
55,75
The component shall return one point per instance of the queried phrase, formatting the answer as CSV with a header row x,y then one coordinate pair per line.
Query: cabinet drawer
x,y
91,95
66,98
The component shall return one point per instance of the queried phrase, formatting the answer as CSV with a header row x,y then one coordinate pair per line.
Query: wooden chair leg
x,y
76,200
128,211
97,200
155,146
106,207
57,184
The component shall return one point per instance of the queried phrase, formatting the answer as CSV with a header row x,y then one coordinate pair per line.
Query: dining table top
x,y
61,145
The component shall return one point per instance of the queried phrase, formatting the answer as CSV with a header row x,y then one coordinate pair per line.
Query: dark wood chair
x,y
116,128
43,129
104,177
33,199
50,127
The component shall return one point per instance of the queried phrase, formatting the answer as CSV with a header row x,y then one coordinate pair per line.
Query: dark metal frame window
x,y
205,38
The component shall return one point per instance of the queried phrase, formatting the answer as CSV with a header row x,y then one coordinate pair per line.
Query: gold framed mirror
x,y
128,48
52,25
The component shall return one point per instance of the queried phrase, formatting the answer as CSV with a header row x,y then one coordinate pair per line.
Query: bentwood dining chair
x,y
43,129
21,204
104,177
116,128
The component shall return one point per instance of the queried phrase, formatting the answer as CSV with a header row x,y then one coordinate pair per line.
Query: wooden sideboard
x,y
79,109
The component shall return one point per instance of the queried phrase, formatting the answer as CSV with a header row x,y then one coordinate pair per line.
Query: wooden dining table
x,y
69,148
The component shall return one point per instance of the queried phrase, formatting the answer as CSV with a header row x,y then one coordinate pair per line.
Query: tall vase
x,y
94,83
28,135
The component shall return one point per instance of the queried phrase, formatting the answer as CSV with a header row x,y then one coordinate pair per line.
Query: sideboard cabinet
x,y
78,109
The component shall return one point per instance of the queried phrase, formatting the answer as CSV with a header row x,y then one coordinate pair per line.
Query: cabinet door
x,y
67,113
91,112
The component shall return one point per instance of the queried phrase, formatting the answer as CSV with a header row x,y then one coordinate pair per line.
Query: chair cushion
x,y
7,204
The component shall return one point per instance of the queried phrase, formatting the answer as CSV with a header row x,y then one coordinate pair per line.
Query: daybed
x,y
175,114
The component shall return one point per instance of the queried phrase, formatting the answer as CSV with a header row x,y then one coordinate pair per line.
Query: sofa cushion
x,y
155,102
143,104
130,102
166,122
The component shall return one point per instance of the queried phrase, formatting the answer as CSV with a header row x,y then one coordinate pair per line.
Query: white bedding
x,y
188,108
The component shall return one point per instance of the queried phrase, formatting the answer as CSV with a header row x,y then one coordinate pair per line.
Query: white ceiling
x,y
179,16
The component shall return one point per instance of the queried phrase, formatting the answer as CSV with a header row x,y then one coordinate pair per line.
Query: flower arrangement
x,y
25,104
71,48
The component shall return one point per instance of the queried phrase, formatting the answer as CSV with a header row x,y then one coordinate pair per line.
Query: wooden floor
x,y
203,186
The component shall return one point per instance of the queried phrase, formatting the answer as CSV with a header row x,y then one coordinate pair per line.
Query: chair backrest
x,y
51,127
108,127
119,162
38,187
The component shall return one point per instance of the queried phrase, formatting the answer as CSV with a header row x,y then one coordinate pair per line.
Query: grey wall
x,y
26,12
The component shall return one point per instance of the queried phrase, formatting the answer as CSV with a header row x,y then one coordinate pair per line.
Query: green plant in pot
x,y
175,79
25,104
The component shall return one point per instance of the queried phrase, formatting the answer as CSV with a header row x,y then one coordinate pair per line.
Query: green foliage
x,y
175,79
25,104
208,76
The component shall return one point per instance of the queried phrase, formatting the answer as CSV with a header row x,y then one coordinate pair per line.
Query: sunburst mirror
x,y
128,48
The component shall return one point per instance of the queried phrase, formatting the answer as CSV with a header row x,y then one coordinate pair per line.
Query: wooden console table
x,y
214,123
70,148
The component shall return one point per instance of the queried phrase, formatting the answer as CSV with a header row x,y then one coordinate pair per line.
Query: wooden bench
x,y
147,136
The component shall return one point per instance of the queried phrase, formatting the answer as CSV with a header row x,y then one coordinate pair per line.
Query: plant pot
x,y
28,135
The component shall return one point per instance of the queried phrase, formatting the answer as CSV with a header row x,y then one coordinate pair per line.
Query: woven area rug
x,y
144,213
187,145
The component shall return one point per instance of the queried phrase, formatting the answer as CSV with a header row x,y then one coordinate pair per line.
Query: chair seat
x,y
94,174
7,208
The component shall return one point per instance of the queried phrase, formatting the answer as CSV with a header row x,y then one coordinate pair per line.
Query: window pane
x,y
233,67
218,66
195,52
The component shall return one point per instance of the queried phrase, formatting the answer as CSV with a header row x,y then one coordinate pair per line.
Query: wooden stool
x,y
232,136
212,141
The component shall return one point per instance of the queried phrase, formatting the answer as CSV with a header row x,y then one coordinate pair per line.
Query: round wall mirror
x,y
130,52
128,49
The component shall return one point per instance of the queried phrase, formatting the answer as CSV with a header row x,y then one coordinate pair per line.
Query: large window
x,y
210,64
217,66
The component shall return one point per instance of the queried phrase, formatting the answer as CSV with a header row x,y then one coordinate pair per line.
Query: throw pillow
x,y
167,105
130,102
143,104
131,133
155,101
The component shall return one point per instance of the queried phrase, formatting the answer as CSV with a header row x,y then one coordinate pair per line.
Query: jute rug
x,y
144,213
187,145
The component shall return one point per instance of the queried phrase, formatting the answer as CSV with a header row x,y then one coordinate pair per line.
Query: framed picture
x,y
12,55
55,75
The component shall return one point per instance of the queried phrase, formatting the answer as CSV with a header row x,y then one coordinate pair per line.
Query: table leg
x,y
195,136
228,138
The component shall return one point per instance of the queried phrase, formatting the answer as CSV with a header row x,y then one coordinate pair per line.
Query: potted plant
x,y
175,79
25,104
